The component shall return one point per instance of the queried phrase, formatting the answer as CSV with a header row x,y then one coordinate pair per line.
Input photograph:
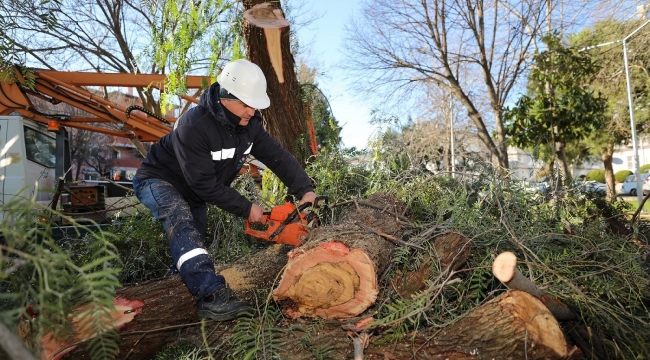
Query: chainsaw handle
x,y
257,233
317,201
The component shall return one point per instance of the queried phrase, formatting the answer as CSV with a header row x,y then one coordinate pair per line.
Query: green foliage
x,y
181,351
498,215
480,281
400,317
182,31
143,246
305,342
225,238
258,334
643,169
597,175
328,131
611,80
273,191
559,108
339,174
40,277
620,175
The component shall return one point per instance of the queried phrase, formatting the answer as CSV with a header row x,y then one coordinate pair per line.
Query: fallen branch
x,y
505,269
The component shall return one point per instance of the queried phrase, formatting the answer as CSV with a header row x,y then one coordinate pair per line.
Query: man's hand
x,y
257,215
308,197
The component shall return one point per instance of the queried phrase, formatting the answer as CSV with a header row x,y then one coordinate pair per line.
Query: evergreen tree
x,y
558,109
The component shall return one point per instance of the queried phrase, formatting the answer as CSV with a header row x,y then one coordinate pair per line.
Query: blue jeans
x,y
185,227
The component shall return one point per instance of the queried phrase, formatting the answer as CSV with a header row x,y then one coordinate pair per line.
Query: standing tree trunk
x,y
607,155
563,167
285,119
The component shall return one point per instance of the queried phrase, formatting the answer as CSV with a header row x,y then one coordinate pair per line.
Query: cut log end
x,y
266,16
328,281
504,266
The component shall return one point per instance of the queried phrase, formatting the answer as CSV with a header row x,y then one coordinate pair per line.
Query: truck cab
x,y
27,167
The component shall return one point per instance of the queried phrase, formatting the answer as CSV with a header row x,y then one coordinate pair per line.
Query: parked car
x,y
646,186
629,185
590,186
536,187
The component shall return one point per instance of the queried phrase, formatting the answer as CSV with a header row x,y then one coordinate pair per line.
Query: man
x,y
195,164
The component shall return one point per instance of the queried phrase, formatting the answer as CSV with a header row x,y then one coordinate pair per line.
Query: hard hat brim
x,y
260,102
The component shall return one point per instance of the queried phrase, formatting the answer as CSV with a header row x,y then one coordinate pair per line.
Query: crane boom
x,y
105,116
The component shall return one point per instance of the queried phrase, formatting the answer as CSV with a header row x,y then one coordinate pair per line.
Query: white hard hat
x,y
246,81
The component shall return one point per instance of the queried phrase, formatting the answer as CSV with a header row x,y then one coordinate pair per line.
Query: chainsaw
x,y
287,224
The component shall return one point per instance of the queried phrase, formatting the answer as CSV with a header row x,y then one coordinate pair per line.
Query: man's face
x,y
240,109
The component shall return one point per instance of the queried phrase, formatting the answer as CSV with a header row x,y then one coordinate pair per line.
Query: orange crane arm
x,y
68,87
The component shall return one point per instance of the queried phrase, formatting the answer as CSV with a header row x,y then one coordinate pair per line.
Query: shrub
x,y
621,175
597,175
645,168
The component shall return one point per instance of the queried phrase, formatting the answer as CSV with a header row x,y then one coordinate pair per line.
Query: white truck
x,y
28,161
32,160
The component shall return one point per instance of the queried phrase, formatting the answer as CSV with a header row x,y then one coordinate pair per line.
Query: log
x,y
505,269
149,315
515,325
334,274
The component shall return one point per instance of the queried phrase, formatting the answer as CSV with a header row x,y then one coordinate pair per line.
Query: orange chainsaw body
x,y
278,230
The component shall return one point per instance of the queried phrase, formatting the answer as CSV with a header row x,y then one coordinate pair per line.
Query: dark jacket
x,y
205,151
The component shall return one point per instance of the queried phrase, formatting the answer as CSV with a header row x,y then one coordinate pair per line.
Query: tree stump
x,y
334,274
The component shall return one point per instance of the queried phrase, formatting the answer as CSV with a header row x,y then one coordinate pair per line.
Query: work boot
x,y
222,305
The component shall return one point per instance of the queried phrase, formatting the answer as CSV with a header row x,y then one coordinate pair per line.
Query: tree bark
x,y
517,325
150,315
514,325
606,156
285,119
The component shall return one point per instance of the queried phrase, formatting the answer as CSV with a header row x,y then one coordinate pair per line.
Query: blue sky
x,y
324,39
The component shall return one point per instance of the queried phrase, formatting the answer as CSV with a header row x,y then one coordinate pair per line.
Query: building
x,y
123,158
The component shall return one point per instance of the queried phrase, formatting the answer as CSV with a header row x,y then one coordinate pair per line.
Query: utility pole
x,y
639,185
451,136
630,104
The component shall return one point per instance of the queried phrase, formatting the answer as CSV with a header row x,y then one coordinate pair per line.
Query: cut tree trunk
x,y
151,314
334,274
505,269
515,325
